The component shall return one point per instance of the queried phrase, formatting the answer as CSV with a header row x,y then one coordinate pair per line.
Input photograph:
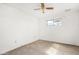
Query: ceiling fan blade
x,y
37,9
49,8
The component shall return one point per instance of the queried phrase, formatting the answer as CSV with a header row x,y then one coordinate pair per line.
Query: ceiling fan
x,y
43,8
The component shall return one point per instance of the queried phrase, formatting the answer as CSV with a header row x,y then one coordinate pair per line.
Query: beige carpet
x,y
41,47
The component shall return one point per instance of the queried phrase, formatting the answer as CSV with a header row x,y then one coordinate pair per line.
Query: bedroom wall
x,y
16,28
68,32
19,26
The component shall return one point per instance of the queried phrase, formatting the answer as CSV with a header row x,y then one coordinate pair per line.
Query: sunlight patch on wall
x,y
54,23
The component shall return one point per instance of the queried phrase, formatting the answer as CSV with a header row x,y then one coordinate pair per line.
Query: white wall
x,y
16,28
67,33
20,25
